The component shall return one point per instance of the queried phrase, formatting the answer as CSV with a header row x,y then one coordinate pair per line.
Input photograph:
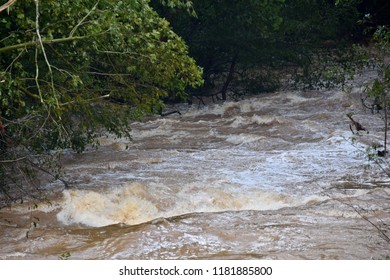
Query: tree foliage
x,y
315,40
242,44
71,69
227,34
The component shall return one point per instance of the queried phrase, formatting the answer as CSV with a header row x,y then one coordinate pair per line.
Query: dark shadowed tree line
x,y
245,46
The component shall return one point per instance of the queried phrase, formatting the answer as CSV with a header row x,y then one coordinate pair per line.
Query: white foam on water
x,y
243,138
239,121
121,205
246,176
135,203
158,127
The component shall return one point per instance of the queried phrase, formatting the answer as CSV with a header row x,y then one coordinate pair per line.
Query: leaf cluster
x,y
71,71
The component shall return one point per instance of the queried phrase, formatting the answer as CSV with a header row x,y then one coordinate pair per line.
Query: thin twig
x,y
13,61
381,167
83,19
37,75
66,184
86,100
52,41
387,238
43,50
12,160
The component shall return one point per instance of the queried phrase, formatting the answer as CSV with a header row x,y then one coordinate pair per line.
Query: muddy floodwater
x,y
275,176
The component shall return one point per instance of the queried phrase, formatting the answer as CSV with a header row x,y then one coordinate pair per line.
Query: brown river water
x,y
276,176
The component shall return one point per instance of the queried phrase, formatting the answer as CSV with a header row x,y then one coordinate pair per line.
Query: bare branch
x,y
387,238
66,184
382,232
12,160
86,100
43,51
34,43
7,5
16,58
83,19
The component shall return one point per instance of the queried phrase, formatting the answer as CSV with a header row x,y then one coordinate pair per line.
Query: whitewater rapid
x,y
272,176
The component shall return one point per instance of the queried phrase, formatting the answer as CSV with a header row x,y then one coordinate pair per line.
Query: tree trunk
x,y
229,77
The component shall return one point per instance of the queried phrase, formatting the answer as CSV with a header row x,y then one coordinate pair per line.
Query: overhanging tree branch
x,y
36,43
53,101
7,5
86,100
